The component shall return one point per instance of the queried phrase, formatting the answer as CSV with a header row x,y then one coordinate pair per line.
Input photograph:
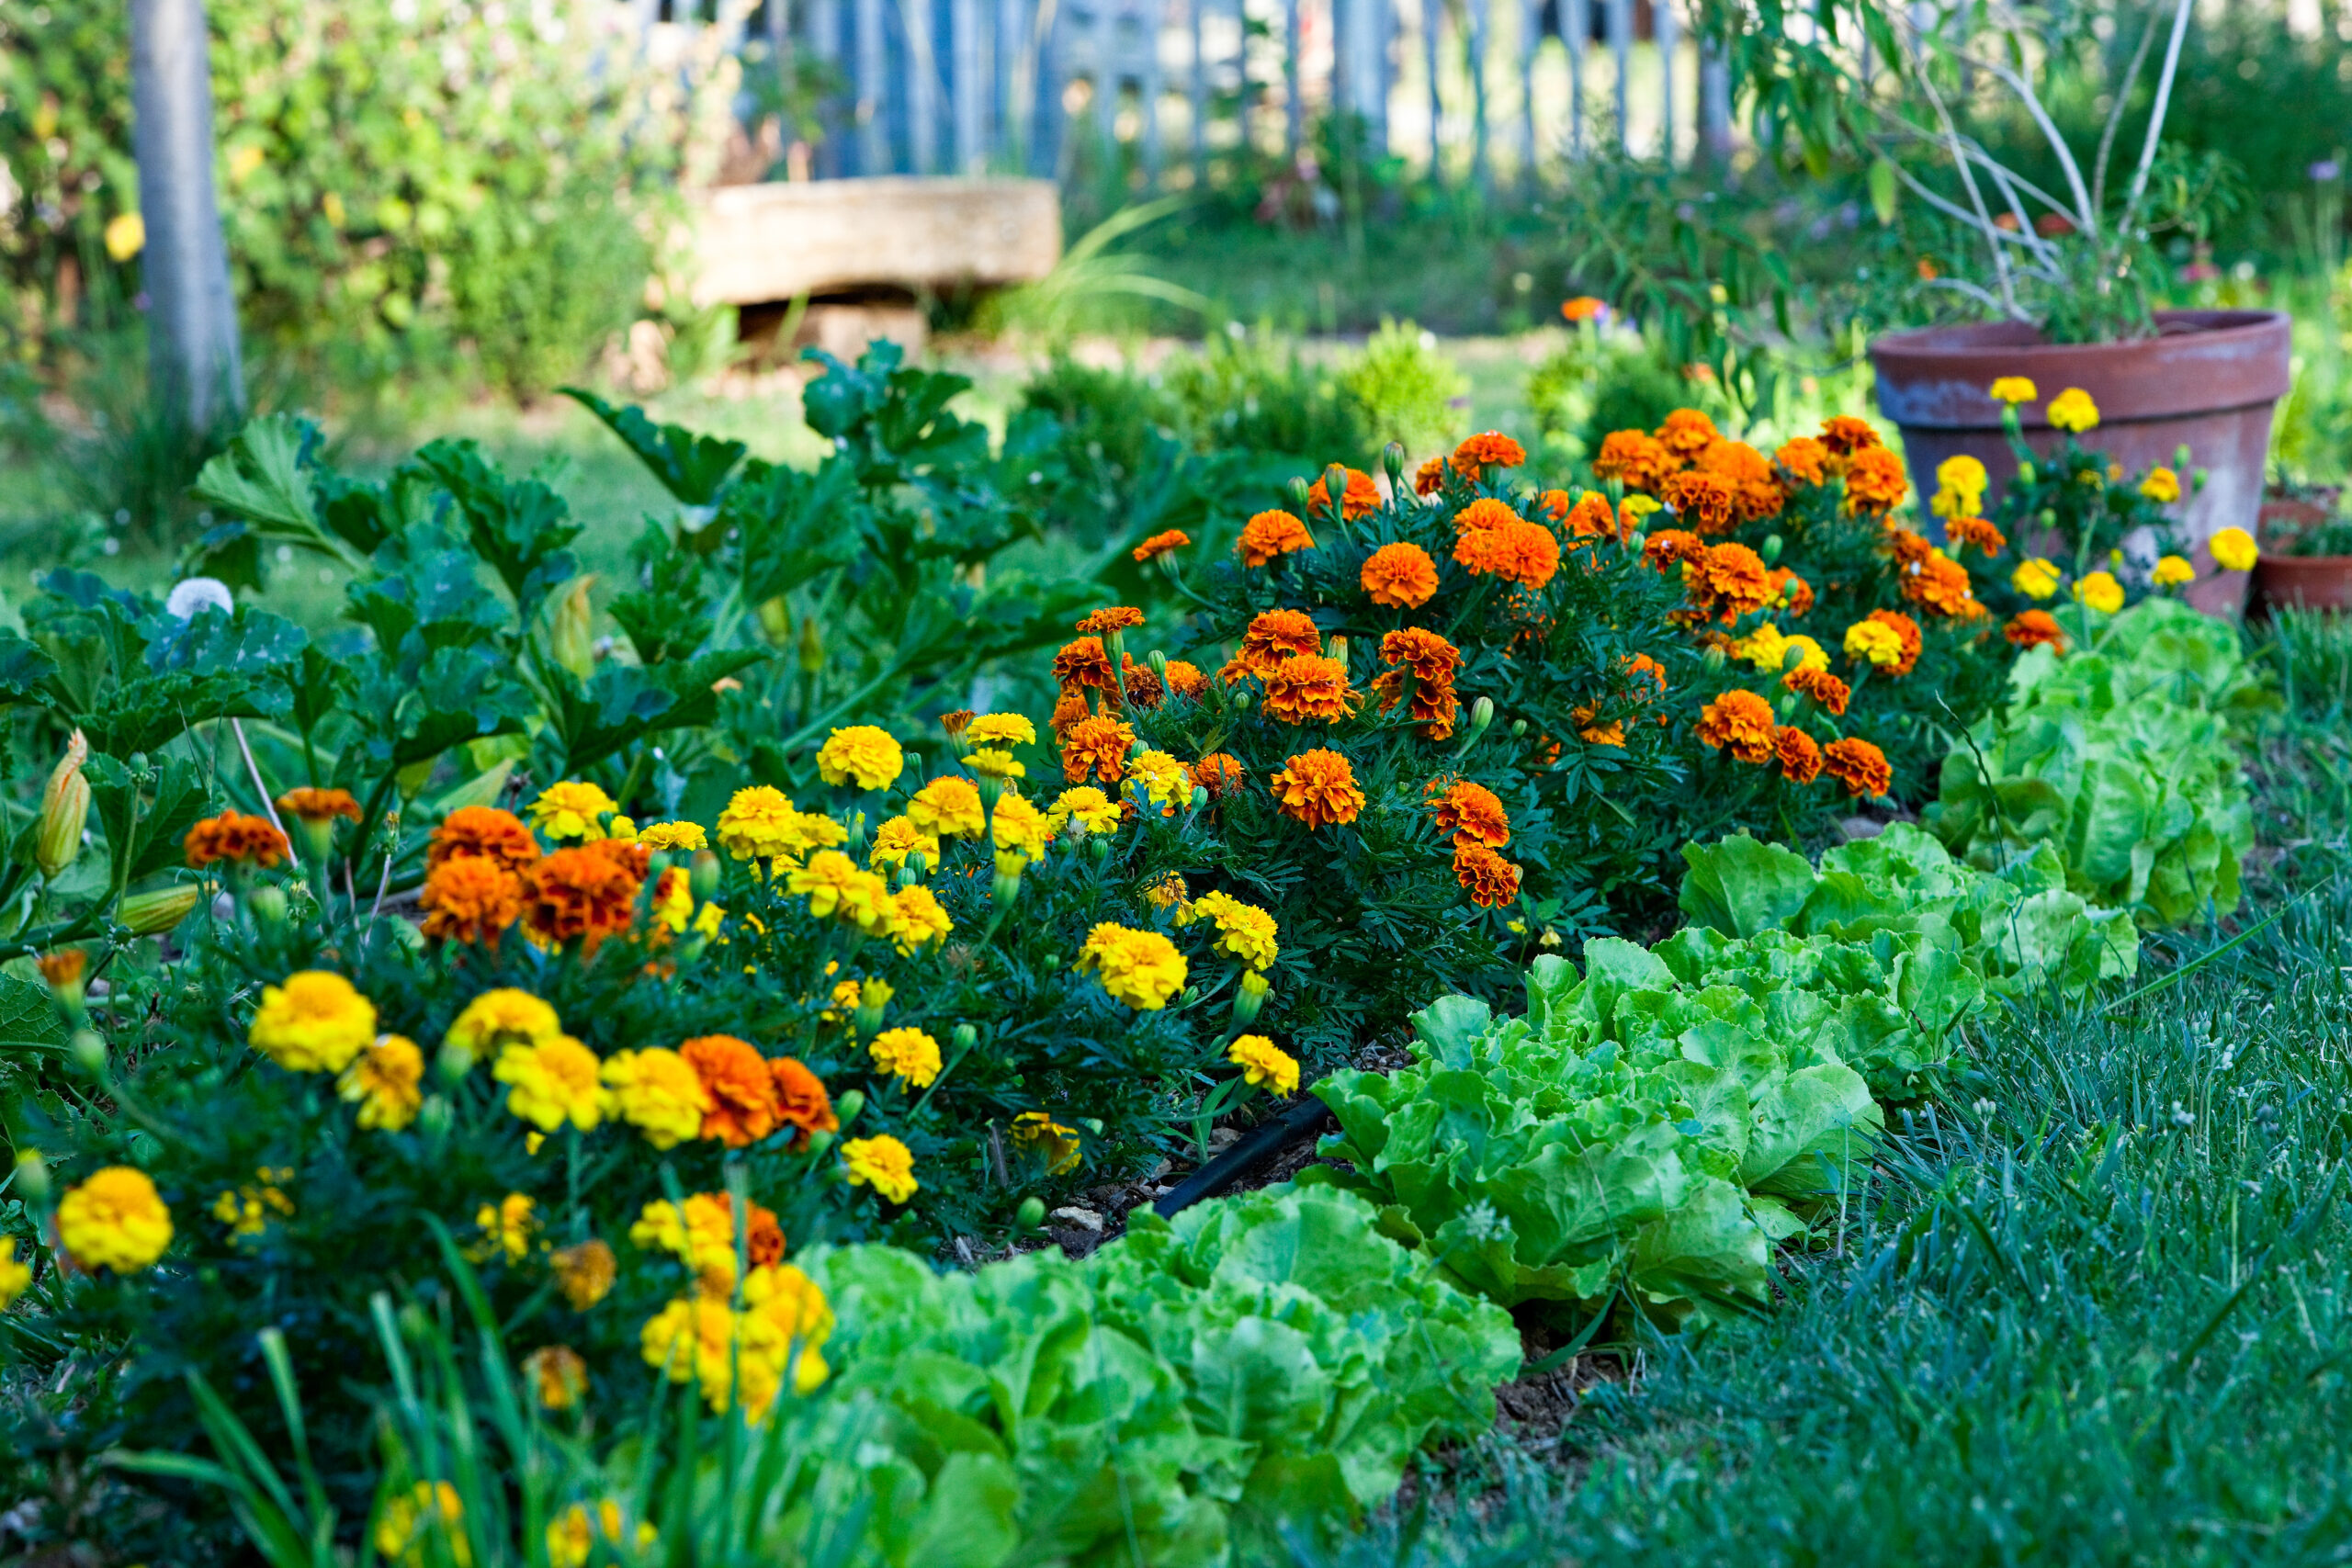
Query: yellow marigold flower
x,y
585,1272
571,810
314,1023
672,905
864,752
1764,647
2162,486
2012,389
760,823
1964,476
1000,730
897,838
907,1053
1810,654
15,1278
2100,591
1245,931
2073,410
990,764
557,1375
498,1019
842,1002
882,1163
655,1091
1162,780
246,1209
572,1535
621,830
920,919
1265,1064
674,836
2036,578
1142,969
1168,892
746,1354
1873,642
2233,549
1093,811
838,889
382,1082
508,1227
949,808
698,1232
408,1519
1020,829
2173,571
1059,1145
115,1220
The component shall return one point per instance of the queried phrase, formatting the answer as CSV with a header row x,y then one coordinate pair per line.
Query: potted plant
x,y
2306,552
2057,272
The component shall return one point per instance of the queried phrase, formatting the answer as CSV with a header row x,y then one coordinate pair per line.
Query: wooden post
x,y
196,370
1481,168
825,43
916,18
1432,13
872,140
1016,83
1106,79
1621,49
1714,105
1155,83
1669,36
967,84
1200,95
1531,40
1294,112
1576,23
1383,21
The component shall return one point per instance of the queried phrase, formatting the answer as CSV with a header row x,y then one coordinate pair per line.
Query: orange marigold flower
x,y
2035,629
1907,629
1309,687
1272,533
1162,544
1429,656
1096,749
1842,435
578,892
1804,461
1144,689
1272,636
1800,755
1702,500
484,831
1474,815
801,1102
1942,585
318,805
1069,709
1488,449
1592,734
1317,787
1736,577
954,721
1433,661
1399,576
1823,687
1590,518
1220,773
1361,495
1740,722
1117,618
1980,532
1859,765
1875,480
472,899
1909,547
1081,664
1490,880
1671,546
1686,434
1185,679
1484,512
1756,489
1645,677
1430,478
234,836
1516,551
744,1105
1790,592
1634,458
631,856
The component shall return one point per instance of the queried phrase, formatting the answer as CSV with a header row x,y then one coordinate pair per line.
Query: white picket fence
x,y
1476,90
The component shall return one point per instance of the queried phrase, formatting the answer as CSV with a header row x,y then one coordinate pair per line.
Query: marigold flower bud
x,y
776,621
1006,889
1392,461
846,1108
268,904
872,997
32,1178
1335,484
964,1037
147,914
89,1051
1298,492
704,876
64,808
1250,998
1773,544
812,646
1158,662
1031,1214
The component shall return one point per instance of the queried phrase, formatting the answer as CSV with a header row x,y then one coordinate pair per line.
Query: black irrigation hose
x,y
1254,1148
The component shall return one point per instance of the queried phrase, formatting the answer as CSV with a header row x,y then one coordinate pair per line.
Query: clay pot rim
x,y
2264,558
1966,340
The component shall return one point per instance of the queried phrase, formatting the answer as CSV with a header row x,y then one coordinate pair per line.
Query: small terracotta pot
x,y
2209,381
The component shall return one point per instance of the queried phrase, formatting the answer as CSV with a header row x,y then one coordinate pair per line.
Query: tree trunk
x,y
191,314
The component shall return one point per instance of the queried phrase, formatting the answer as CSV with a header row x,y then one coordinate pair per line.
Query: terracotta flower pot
x,y
2209,381
2309,582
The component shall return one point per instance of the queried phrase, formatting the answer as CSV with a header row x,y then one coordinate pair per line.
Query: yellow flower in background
x,y
126,235
316,1022
2036,578
882,1163
573,1535
407,1519
1168,892
1810,654
2233,549
2073,410
864,752
949,808
1265,1064
246,1209
507,1226
994,764
672,904
897,838
501,1018
585,1272
1020,829
905,1053
1000,730
655,1091
1963,474
1764,647
1164,780
838,889
2173,571
1142,969
1874,643
623,829
571,810
1093,811
16,1278
115,1220
1245,931
674,836
1059,1145
2162,486
382,1082
2012,389
2100,591
922,919
558,1375
699,1233
760,823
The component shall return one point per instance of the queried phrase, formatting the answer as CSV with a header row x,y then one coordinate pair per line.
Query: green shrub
x,y
1253,391
1405,391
